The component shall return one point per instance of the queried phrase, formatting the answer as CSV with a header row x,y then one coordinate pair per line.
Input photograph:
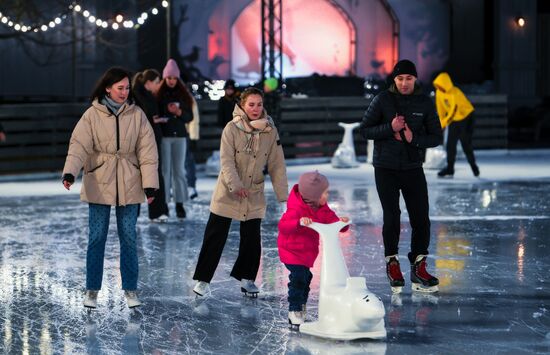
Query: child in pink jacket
x,y
299,245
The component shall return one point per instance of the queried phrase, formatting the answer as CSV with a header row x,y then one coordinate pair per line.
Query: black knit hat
x,y
404,66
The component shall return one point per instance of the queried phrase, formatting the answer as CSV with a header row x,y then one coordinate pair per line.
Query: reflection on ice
x,y
489,247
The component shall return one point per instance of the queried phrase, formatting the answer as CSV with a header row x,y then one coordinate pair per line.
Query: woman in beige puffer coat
x,y
115,144
249,142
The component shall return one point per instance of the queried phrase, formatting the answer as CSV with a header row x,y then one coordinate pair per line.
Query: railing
x,y
38,134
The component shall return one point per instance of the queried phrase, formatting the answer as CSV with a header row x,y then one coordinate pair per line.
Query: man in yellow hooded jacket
x,y
455,111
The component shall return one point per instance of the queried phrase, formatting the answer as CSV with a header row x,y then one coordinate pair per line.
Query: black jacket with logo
x,y
421,117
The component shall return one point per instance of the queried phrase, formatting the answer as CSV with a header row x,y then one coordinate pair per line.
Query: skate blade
x,y
249,294
396,289
293,327
424,289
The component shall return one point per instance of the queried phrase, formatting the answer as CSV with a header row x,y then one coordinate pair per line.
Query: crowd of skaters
x,y
133,143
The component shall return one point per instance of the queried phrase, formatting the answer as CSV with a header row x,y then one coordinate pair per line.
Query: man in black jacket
x,y
403,123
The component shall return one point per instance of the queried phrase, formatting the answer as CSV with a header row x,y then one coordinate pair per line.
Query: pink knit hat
x,y
171,69
312,185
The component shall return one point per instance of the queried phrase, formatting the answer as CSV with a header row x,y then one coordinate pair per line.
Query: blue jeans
x,y
298,287
126,218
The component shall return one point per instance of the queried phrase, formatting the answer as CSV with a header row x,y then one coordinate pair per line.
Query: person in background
x,y
299,245
403,122
193,129
176,107
227,103
457,112
2,134
145,86
115,144
248,143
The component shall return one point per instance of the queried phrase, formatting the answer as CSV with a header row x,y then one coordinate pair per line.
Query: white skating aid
x,y
344,156
347,309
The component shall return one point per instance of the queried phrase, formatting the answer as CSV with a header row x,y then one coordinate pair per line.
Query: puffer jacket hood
x,y
443,82
451,103
118,154
299,245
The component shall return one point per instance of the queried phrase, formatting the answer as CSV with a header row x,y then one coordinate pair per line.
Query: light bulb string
x,y
119,20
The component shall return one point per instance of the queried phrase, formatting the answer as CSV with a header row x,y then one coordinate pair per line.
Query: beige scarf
x,y
252,128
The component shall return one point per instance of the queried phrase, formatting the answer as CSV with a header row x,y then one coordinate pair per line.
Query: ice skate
x,y
295,319
180,211
394,274
90,299
193,193
249,289
132,299
422,281
446,173
160,219
201,288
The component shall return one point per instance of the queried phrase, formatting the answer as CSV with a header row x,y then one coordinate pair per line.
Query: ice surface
x,y
490,248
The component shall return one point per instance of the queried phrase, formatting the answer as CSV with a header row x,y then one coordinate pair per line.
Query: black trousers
x,y
412,184
463,131
215,235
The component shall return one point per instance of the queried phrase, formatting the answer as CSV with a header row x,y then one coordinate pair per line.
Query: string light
x,y
115,24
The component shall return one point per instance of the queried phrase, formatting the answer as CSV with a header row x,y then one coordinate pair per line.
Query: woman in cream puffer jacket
x,y
115,144
248,143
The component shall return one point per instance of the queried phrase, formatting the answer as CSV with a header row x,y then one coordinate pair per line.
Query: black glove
x,y
69,178
150,192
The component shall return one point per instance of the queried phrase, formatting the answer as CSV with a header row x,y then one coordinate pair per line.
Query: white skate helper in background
x,y
344,157
213,164
347,309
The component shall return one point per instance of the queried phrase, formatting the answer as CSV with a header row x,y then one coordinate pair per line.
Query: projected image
x,y
316,39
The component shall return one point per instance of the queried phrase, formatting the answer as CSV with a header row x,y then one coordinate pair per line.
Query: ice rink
x,y
490,248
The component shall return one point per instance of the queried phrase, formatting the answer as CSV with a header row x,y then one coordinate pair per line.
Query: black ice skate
x,y
394,274
422,281
249,289
446,173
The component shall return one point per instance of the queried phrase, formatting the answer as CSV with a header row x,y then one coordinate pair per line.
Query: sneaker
x,y
446,172
192,193
180,211
132,299
421,280
201,288
160,219
295,318
249,288
90,299
393,271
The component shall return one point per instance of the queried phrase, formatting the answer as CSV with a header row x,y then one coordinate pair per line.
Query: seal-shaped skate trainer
x,y
347,309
